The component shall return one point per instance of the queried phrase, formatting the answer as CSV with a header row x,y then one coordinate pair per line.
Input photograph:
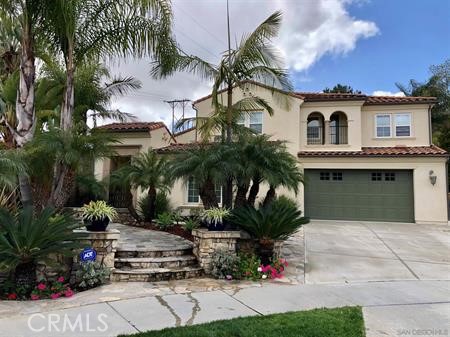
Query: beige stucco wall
x,y
283,125
420,132
352,110
186,137
430,202
132,143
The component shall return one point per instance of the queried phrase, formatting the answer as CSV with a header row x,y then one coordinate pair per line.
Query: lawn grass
x,y
341,322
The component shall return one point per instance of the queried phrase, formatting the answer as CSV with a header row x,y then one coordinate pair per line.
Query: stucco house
x,y
366,158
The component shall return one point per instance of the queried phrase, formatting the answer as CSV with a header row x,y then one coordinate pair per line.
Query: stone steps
x,y
155,274
154,262
153,253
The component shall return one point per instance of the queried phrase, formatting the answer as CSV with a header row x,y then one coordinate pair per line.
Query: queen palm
x,y
253,58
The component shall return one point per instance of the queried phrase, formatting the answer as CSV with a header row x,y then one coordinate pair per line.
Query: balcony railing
x,y
338,134
315,135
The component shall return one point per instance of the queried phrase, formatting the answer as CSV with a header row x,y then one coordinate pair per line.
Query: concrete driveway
x,y
346,252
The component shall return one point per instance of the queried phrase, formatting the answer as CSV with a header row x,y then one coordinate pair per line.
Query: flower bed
x,y
44,289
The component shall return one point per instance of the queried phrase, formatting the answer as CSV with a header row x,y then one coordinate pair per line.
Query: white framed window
x,y
193,195
252,120
402,125
383,126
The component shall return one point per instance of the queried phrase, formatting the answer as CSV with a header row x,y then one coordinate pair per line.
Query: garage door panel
x,y
360,195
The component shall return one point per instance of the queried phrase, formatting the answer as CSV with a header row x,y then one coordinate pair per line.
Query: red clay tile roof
x,y
323,97
133,126
396,151
180,147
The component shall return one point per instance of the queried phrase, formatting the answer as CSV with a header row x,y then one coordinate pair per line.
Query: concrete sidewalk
x,y
390,309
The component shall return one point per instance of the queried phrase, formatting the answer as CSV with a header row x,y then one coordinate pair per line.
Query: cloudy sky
x,y
368,44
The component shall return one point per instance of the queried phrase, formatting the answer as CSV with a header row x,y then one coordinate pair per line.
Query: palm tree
x,y
208,165
66,151
146,171
84,29
253,59
11,164
261,160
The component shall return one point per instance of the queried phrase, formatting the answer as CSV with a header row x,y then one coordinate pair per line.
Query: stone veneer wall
x,y
206,243
104,243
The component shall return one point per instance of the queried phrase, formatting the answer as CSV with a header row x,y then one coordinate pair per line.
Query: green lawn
x,y
342,322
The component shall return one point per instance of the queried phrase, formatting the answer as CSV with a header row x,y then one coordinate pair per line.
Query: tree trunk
x,y
254,190
68,96
25,112
270,196
208,195
241,195
228,190
25,275
151,203
62,187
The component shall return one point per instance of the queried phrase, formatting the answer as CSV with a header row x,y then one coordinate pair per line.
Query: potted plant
x,y
97,215
214,218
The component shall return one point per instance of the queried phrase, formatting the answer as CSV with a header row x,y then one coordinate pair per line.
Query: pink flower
x,y
41,286
68,293
34,297
55,296
60,279
12,296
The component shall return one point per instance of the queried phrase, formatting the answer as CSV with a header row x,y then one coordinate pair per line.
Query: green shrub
x,y
248,267
284,200
164,221
162,205
224,265
191,224
26,238
90,275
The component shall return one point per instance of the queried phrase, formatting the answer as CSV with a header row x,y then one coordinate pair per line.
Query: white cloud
x,y
310,30
388,93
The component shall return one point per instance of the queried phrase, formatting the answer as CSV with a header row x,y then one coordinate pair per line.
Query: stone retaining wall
x,y
206,243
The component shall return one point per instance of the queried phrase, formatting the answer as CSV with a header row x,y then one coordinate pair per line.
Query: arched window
x,y
338,128
315,129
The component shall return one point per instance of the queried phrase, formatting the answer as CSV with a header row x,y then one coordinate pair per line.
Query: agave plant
x,y
267,224
26,239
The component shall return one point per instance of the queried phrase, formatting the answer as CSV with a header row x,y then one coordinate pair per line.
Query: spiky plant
x,y
26,239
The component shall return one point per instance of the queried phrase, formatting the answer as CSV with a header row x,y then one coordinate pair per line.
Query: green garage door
x,y
359,195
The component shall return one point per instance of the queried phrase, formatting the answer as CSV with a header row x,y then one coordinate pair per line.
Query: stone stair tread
x,y
129,248
156,270
155,259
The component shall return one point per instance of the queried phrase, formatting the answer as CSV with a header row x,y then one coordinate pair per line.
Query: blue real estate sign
x,y
88,254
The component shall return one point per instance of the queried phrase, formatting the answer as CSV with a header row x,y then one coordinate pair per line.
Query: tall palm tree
x,y
254,58
146,171
208,164
11,164
83,29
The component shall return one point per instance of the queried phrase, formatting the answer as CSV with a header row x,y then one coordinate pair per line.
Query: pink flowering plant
x,y
274,270
53,290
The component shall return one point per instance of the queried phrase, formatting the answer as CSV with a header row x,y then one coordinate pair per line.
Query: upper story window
x,y
383,125
193,196
252,120
402,125
393,125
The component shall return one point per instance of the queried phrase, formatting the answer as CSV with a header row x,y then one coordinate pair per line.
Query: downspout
x,y
430,128
196,119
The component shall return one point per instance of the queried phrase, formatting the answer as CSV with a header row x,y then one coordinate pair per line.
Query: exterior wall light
x,y
433,178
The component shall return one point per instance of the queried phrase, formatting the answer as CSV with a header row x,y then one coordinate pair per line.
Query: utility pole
x,y
174,104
